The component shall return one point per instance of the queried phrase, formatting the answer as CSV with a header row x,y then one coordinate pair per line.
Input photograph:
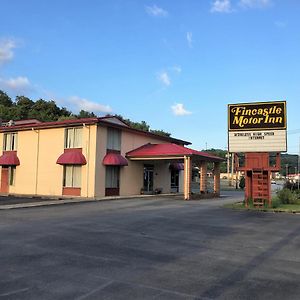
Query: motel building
x,y
95,158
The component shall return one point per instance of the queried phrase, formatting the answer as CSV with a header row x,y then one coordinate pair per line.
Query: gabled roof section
x,y
114,120
169,150
126,127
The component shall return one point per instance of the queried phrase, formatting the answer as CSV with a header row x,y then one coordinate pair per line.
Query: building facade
x,y
93,157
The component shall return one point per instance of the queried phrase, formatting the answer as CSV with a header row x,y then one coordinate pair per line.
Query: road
x,y
158,248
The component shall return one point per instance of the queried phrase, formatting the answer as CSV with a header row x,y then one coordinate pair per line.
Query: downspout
x,y
37,159
88,162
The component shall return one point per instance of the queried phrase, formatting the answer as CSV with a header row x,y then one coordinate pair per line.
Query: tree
x,y
24,106
141,126
221,153
45,111
242,183
5,100
85,114
160,132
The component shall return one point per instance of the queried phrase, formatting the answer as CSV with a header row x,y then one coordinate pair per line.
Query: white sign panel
x,y
257,141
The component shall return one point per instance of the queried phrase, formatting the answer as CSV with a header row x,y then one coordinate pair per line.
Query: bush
x,y
286,196
242,183
275,202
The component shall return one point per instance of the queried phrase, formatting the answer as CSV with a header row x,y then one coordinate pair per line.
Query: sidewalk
x,y
14,202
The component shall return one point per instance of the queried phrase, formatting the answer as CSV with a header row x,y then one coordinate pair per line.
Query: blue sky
x,y
175,64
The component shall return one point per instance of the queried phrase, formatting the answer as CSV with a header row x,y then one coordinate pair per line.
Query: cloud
x,y
156,11
255,3
179,110
176,69
18,84
280,24
6,50
189,38
84,104
221,6
164,78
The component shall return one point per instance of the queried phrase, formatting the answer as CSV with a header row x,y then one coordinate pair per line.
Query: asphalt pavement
x,y
150,248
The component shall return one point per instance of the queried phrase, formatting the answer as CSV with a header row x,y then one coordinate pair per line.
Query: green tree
x,y
160,132
141,126
85,114
5,99
221,153
24,106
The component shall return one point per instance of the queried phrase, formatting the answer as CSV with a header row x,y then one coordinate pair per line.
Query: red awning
x,y
71,157
177,166
114,159
167,150
9,158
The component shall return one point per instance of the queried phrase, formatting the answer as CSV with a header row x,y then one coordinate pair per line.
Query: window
x,y
72,176
73,138
112,177
12,175
10,141
113,139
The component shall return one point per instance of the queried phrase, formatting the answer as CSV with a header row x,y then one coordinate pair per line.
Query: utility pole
x,y
228,167
286,171
232,168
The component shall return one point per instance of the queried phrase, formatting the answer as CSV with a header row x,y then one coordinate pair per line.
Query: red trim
x,y
9,158
72,156
43,125
114,159
71,191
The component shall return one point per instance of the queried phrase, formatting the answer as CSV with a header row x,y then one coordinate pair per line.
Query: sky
x,y
175,64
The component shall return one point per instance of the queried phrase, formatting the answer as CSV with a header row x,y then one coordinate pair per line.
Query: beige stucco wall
x,y
131,176
99,167
38,173
38,151
89,135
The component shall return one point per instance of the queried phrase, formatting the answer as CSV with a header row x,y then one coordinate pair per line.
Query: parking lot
x,y
156,248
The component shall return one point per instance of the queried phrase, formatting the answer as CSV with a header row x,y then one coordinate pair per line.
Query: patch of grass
x,y
289,208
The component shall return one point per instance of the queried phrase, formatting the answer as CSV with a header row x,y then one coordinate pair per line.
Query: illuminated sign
x,y
257,127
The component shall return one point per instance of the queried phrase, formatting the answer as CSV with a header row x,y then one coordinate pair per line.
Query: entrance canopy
x,y
169,151
177,153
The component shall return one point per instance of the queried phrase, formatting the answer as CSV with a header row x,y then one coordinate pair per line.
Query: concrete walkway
x,y
11,202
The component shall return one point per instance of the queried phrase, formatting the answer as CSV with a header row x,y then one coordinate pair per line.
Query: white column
x,y
187,177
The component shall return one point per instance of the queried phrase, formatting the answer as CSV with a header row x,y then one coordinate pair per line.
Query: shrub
x,y
242,183
286,196
275,202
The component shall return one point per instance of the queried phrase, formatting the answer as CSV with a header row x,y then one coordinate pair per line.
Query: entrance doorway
x,y
4,188
174,181
148,179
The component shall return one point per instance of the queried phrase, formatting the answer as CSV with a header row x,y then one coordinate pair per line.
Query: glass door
x,y
148,179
